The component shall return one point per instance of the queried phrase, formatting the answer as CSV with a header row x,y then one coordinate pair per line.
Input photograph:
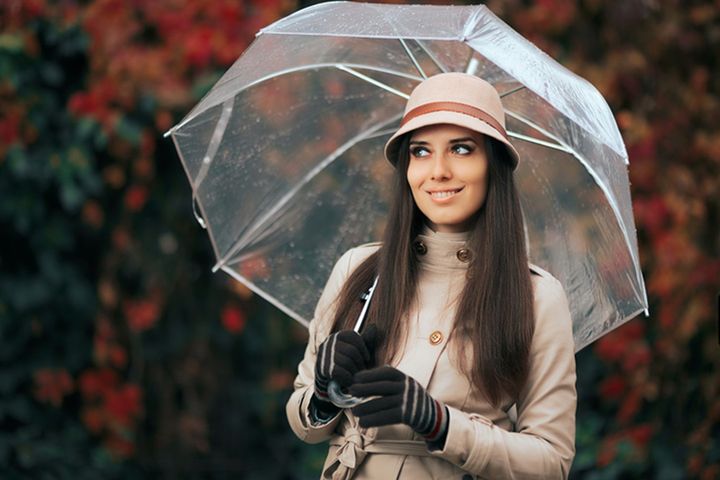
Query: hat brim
x,y
452,118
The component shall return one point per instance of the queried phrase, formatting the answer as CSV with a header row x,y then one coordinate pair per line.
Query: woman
x,y
467,355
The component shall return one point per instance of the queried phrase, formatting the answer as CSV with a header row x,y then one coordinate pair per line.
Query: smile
x,y
444,193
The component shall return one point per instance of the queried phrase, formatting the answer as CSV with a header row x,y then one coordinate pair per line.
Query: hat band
x,y
454,107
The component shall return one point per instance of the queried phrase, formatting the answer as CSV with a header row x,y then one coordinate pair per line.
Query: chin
x,y
440,225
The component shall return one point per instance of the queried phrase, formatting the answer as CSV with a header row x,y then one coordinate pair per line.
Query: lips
x,y
444,193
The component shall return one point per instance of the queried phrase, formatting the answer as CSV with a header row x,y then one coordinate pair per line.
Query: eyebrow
x,y
455,140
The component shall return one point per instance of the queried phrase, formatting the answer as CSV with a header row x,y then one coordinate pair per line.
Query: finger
x,y
380,419
383,388
349,357
384,373
323,358
378,405
342,377
369,337
355,341
347,362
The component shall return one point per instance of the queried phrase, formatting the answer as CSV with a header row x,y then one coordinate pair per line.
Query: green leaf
x,y
128,130
11,43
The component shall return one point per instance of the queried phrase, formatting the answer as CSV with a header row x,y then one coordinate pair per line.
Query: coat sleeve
x,y
543,445
297,408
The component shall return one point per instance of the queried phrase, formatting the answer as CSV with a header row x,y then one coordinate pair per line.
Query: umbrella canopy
x,y
284,154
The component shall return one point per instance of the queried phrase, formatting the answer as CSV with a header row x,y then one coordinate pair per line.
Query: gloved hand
x,y
339,357
401,400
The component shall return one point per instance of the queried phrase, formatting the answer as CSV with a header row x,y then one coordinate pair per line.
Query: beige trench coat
x,y
532,436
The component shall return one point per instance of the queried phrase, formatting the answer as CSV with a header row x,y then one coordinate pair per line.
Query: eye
x,y
462,149
419,151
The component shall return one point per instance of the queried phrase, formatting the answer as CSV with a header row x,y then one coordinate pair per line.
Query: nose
x,y
441,168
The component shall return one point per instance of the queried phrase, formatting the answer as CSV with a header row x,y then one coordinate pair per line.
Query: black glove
x,y
402,400
339,357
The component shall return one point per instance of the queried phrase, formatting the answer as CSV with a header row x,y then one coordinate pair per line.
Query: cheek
x,y
478,177
478,181
414,177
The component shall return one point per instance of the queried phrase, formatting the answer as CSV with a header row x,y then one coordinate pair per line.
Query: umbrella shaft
x,y
363,313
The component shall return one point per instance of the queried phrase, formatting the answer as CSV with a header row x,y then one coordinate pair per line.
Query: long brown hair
x,y
495,310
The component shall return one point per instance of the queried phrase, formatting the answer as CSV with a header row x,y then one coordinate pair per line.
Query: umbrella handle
x,y
335,393
340,399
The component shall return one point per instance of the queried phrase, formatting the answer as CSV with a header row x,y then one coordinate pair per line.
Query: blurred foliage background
x,y
124,357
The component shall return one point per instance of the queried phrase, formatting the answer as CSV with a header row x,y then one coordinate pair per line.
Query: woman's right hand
x,y
341,356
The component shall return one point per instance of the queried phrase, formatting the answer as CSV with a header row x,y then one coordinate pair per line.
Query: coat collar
x,y
441,251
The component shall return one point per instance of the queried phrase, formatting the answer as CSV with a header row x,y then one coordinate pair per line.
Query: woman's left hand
x,y
401,399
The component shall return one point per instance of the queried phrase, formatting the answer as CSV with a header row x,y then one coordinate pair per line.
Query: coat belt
x,y
353,447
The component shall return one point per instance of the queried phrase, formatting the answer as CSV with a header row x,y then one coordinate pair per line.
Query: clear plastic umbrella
x,y
284,154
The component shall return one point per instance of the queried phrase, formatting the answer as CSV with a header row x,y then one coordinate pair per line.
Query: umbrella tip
x,y
168,133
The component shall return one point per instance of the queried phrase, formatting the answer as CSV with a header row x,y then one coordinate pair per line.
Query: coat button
x,y
463,255
419,247
436,337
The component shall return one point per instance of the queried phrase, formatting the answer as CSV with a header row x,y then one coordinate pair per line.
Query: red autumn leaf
x,y
633,330
95,102
9,130
97,383
695,464
629,406
117,356
100,349
135,197
141,315
233,319
93,419
147,144
92,214
32,8
606,452
640,434
279,380
638,355
652,213
705,274
120,238
123,404
52,385
119,446
163,120
612,387
198,49
611,347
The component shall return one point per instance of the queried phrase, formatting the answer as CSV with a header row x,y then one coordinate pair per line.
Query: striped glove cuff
x,y
424,414
439,425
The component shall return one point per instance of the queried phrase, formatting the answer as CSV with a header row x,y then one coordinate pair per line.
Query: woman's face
x,y
448,175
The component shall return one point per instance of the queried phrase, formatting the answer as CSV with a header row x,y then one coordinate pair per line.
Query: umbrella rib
x,y
371,80
593,173
314,66
254,287
514,90
537,141
381,133
215,140
303,181
472,65
432,57
412,58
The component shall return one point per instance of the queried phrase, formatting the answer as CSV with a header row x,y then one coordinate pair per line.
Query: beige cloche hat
x,y
458,99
